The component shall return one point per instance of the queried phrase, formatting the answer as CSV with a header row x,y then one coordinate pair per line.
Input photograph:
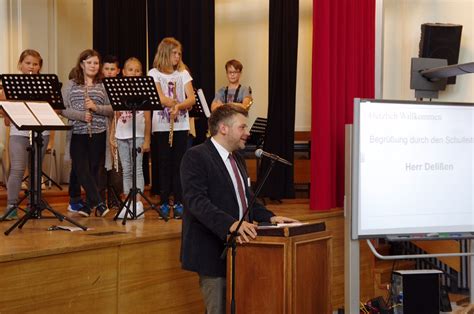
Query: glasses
x,y
233,72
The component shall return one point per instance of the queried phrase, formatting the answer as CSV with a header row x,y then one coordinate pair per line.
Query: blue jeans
x,y
125,153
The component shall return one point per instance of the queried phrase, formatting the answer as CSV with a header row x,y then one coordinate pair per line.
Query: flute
x,y
89,124
170,137
115,151
86,96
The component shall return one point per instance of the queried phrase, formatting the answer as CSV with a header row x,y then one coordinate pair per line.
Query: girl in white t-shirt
x,y
122,132
175,88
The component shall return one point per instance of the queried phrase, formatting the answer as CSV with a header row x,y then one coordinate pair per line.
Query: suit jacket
x,y
210,208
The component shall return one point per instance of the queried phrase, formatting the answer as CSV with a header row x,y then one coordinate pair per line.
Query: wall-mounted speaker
x,y
441,41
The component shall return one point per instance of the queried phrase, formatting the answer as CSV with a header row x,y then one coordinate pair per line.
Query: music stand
x,y
36,87
35,117
200,108
132,94
41,87
257,132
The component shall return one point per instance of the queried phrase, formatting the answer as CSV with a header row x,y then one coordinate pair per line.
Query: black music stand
x,y
35,87
132,94
200,108
43,87
36,117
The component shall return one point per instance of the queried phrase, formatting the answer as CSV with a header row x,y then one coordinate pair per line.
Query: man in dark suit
x,y
216,193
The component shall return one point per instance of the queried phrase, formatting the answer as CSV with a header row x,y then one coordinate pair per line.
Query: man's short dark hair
x,y
223,114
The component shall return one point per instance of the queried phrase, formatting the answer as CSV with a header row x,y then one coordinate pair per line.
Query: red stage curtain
x,y
343,68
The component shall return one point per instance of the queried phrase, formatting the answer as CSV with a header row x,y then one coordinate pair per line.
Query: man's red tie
x,y
240,188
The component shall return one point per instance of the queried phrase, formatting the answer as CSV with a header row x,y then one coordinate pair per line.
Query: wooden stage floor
x,y
110,268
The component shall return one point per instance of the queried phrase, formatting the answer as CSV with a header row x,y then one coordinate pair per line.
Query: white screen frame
x,y
360,215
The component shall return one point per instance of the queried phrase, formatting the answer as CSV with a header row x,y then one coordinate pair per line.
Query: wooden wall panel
x,y
312,273
151,280
271,275
81,282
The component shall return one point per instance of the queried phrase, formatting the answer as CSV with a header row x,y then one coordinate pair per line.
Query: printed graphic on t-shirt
x,y
172,93
125,116
230,96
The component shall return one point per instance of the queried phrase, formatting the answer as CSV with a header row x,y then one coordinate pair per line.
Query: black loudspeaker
x,y
441,41
416,291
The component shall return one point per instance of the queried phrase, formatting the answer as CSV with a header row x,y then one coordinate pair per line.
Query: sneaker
x,y
140,213
165,211
178,211
13,215
85,211
122,214
75,207
101,210
129,216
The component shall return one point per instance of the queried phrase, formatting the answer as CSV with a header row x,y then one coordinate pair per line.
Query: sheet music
x,y
19,113
44,113
282,225
205,107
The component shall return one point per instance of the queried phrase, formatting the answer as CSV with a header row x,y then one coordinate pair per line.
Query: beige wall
x,y
4,37
402,35
29,24
74,33
304,71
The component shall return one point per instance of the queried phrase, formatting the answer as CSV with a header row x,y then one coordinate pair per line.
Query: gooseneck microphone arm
x,y
260,152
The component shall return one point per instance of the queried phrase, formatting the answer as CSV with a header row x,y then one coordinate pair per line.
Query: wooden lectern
x,y
285,270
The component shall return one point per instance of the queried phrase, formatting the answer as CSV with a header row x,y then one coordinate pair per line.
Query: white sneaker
x,y
139,211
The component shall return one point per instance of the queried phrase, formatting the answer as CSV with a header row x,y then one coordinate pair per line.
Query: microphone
x,y
260,152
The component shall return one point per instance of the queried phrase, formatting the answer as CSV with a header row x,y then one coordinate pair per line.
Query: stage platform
x,y
113,268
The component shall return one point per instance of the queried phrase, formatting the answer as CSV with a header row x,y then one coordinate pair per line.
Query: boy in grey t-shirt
x,y
234,92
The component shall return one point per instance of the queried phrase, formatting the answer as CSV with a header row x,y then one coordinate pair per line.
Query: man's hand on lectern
x,y
281,219
247,231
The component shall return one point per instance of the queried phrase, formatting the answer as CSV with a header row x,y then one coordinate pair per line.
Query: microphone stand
x,y
231,242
